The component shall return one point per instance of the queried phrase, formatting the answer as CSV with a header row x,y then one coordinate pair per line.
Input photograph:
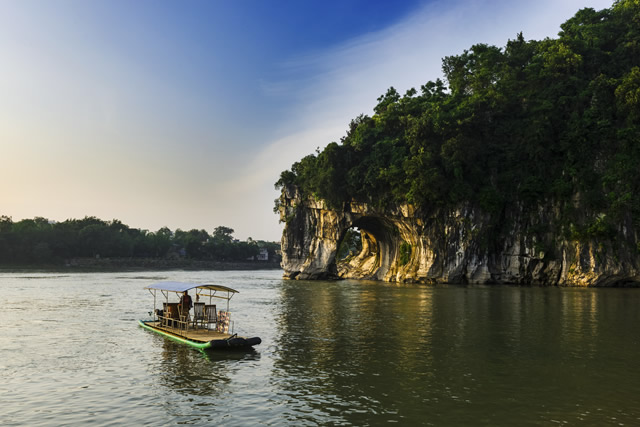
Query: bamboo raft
x,y
208,329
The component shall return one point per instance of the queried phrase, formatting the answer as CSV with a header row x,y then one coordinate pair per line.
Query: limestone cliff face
x,y
449,246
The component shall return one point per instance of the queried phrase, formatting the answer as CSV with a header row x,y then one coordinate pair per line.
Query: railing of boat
x,y
184,325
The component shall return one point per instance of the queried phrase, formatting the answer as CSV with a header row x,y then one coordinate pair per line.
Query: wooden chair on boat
x,y
198,314
184,317
210,315
224,318
165,314
171,314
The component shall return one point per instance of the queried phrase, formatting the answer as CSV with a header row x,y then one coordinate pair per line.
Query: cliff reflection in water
x,y
356,352
342,345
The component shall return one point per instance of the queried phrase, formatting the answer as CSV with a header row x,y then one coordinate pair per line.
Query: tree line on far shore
x,y
40,241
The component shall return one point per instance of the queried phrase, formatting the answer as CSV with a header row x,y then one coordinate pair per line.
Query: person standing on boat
x,y
185,304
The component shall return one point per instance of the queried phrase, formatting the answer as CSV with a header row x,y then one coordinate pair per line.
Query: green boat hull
x,y
233,343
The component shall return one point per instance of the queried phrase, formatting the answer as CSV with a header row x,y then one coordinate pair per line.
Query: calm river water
x,y
333,353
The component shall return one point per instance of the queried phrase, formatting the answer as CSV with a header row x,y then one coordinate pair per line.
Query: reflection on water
x,y
356,348
349,353
185,371
355,352
205,373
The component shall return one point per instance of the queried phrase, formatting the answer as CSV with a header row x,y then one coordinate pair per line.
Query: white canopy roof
x,y
182,286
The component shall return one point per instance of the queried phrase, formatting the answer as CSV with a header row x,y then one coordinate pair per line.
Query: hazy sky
x,y
184,113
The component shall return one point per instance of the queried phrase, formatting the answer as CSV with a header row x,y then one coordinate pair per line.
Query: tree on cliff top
x,y
532,122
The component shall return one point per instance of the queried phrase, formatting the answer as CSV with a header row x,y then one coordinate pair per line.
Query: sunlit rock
x,y
448,246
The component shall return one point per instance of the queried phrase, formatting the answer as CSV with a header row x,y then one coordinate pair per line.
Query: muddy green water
x,y
333,353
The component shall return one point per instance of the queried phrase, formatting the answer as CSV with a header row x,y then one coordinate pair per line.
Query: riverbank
x,y
82,265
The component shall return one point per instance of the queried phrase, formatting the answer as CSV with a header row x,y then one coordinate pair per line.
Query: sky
x,y
182,114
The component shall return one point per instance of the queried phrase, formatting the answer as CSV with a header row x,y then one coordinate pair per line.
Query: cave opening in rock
x,y
351,245
359,253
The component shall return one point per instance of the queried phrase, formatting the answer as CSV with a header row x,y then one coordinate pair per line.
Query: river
x,y
332,353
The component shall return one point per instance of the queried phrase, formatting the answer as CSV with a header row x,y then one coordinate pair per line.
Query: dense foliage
x,y
41,241
533,122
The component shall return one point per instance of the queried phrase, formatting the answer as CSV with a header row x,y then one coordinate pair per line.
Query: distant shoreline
x,y
99,265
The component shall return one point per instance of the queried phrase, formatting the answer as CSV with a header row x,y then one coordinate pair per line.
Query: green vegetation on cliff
x,y
556,120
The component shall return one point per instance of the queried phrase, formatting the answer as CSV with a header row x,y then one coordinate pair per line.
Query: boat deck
x,y
195,334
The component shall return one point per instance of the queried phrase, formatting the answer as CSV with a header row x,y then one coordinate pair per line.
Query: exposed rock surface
x,y
450,246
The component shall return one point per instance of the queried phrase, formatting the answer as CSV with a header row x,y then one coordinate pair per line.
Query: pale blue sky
x,y
183,114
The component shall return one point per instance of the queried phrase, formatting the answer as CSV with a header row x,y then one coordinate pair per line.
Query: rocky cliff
x,y
451,246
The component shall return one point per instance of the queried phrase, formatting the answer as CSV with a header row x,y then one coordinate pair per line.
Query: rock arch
x,y
313,234
378,249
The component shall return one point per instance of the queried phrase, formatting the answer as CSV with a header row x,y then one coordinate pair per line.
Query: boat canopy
x,y
182,286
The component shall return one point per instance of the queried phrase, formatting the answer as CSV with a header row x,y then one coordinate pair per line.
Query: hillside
x,y
537,126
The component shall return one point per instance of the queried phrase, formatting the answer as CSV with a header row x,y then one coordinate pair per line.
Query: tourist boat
x,y
204,327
